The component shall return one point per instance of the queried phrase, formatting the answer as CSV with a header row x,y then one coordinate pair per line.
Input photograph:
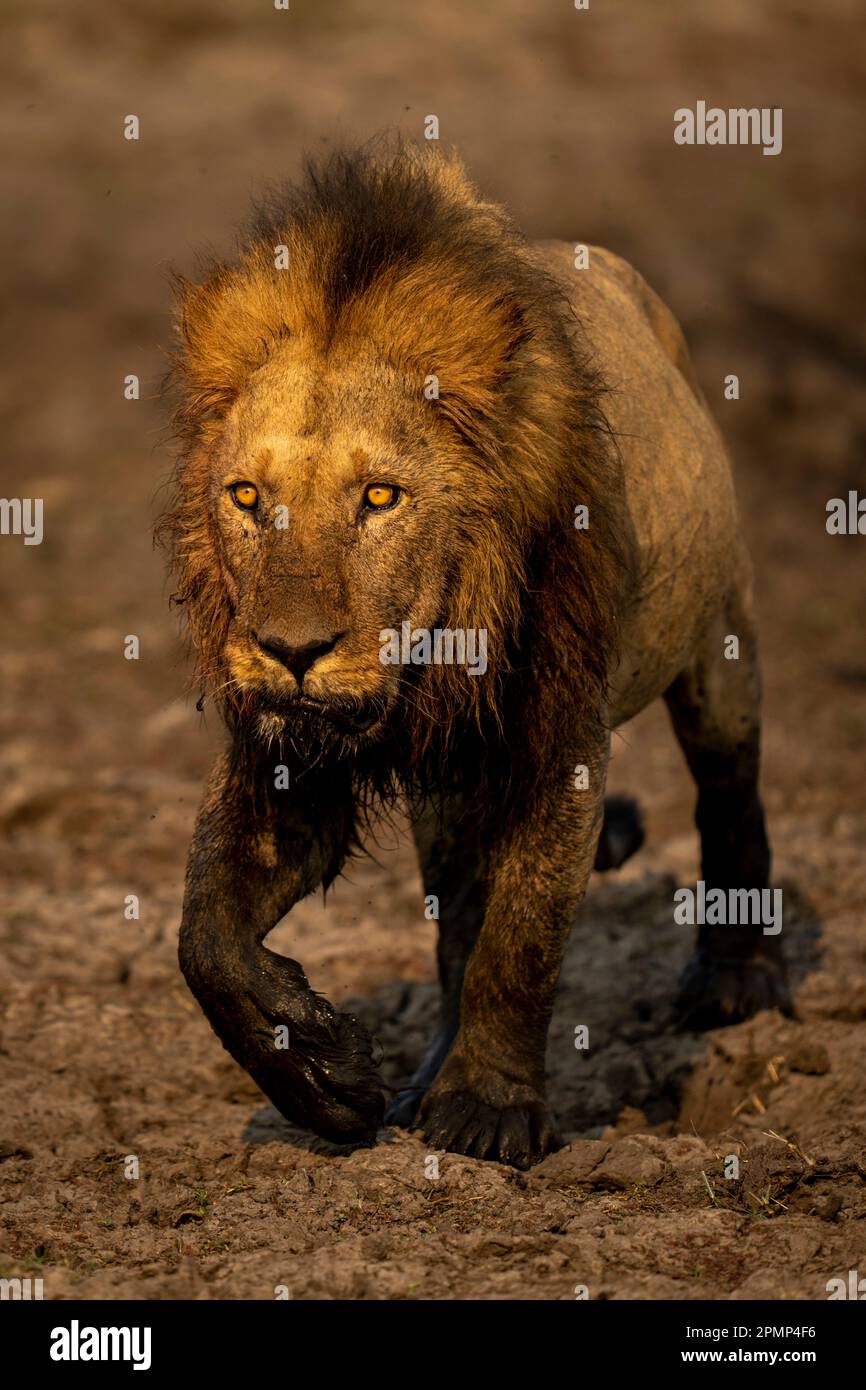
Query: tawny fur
x,y
402,254
558,388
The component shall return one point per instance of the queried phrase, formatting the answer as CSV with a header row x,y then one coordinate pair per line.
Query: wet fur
x,y
403,253
398,268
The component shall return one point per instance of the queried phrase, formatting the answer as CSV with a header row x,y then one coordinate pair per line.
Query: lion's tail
x,y
622,833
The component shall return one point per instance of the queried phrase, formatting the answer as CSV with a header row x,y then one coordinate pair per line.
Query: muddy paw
x,y
461,1122
717,992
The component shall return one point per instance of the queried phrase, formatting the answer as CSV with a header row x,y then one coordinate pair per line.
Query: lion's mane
x,y
394,244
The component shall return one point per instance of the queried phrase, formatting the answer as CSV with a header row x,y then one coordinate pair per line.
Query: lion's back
x,y
678,484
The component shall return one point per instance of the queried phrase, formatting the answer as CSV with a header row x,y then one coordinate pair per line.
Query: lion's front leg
x,y
255,852
488,1099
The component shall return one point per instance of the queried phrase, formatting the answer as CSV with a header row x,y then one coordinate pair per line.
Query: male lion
x,y
394,411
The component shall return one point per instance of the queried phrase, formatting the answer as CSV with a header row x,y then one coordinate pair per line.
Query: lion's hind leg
x,y
738,968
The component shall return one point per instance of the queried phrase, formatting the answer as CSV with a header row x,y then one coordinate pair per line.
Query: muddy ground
x,y
568,117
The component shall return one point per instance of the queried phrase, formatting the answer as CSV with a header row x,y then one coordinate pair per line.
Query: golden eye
x,y
379,496
245,495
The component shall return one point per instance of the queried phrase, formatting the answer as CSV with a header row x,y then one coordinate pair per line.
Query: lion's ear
x,y
219,327
446,325
476,369
185,294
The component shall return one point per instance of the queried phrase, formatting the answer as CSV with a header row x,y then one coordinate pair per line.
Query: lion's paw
x,y
716,993
461,1122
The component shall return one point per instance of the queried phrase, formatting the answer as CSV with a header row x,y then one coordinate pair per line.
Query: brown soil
x,y
568,117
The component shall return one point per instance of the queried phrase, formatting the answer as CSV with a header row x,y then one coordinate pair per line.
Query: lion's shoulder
x,y
613,279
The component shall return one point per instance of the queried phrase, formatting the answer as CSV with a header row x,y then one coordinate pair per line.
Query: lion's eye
x,y
244,495
379,496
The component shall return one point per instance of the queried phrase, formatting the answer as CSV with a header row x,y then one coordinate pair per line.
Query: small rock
x,y
629,1164
573,1164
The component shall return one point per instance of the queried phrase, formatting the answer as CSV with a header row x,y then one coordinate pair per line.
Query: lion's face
x,y
321,499
340,511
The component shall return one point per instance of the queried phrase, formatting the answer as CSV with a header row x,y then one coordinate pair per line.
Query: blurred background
x,y
567,117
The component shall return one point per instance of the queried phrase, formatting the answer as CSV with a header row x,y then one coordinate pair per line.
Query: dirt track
x,y
103,1053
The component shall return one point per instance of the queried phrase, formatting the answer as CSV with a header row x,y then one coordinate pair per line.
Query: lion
x,y
397,416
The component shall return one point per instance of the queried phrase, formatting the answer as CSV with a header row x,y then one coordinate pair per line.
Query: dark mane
x,y
395,244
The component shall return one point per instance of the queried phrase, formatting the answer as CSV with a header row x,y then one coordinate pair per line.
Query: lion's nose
x,y
297,659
